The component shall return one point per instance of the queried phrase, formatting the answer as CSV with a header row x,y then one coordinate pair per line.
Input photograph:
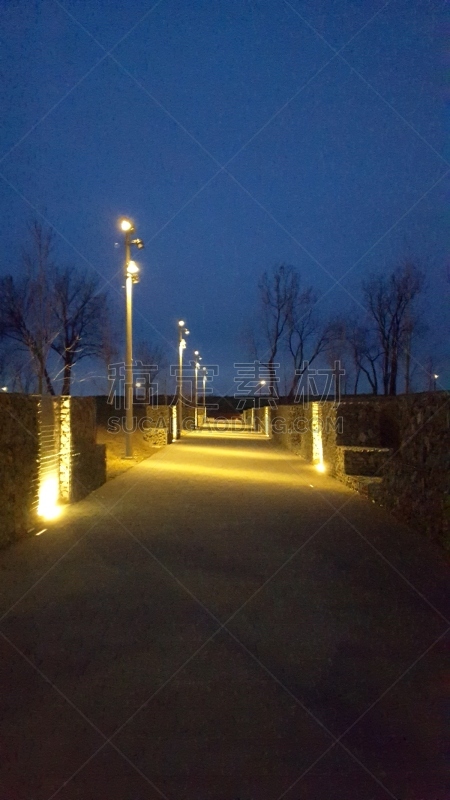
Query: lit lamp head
x,y
126,225
181,323
133,271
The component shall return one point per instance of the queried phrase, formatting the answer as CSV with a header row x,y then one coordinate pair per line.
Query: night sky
x,y
237,134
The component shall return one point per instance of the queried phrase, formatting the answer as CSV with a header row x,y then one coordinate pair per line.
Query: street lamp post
x,y
182,331
204,395
131,271
198,358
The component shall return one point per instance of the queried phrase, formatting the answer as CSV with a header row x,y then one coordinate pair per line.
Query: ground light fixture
x,y
48,506
131,273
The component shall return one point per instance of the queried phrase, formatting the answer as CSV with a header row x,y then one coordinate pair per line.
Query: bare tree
x,y
52,309
390,304
365,351
16,368
25,309
307,335
81,317
278,291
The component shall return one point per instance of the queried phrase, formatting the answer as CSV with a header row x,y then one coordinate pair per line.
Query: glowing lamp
x,y
48,499
126,225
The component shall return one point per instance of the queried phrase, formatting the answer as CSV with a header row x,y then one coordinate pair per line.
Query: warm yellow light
x,y
126,225
209,472
132,268
320,467
48,499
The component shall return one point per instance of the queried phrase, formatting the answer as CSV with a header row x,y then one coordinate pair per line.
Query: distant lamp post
x,y
131,271
435,377
182,332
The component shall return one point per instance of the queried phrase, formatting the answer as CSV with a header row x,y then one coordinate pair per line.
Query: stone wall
x,y
201,416
19,449
292,428
45,441
416,479
403,442
188,418
88,457
369,421
368,461
158,428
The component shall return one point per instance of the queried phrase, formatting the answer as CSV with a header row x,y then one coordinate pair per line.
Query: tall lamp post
x,y
198,358
182,331
204,395
131,272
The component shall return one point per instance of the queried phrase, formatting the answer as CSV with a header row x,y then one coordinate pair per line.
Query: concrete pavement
x,y
221,622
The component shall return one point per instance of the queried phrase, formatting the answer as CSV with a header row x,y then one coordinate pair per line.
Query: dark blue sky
x,y
237,134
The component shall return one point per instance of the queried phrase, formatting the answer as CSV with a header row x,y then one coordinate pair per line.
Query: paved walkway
x,y
223,623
